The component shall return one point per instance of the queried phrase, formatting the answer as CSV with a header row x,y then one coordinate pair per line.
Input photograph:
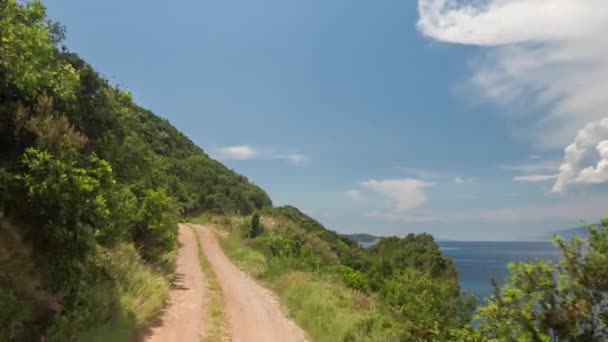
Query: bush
x,y
427,309
351,278
124,296
542,301
155,226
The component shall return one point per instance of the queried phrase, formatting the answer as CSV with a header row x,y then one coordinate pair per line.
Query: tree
x,y
543,301
28,56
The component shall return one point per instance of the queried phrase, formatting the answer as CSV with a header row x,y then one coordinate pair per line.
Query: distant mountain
x,y
363,238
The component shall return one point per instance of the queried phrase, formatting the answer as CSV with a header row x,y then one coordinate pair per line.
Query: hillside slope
x,y
91,189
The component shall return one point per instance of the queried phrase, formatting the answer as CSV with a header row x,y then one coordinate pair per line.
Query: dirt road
x,y
254,313
185,315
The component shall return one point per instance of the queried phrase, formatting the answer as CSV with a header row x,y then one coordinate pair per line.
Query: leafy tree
x,y
428,309
155,227
66,199
28,56
542,301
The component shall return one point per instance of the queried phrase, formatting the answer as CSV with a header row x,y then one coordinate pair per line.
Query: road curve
x,y
254,313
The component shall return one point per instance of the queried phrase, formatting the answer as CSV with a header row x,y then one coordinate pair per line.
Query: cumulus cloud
x,y
544,53
247,152
586,159
406,193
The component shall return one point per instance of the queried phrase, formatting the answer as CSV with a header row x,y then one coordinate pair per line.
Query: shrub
x,y
154,230
351,278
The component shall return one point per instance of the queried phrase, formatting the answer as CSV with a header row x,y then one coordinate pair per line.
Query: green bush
x,y
427,309
543,301
155,226
351,278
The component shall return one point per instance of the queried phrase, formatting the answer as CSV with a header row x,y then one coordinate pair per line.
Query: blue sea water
x,y
477,262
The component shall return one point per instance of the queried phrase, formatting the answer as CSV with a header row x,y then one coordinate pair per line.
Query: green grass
x,y
245,257
116,310
327,311
142,292
218,329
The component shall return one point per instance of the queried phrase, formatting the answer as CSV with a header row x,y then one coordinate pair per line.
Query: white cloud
x,y
241,152
461,180
534,178
586,159
406,193
353,195
536,171
247,152
589,210
534,167
544,53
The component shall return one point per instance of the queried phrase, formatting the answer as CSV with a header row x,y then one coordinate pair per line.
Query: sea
x,y
477,262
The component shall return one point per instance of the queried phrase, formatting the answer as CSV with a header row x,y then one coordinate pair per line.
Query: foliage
x,y
542,301
154,228
29,61
393,255
428,308
351,278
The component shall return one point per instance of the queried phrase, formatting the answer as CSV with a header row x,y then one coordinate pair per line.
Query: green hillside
x,y
91,188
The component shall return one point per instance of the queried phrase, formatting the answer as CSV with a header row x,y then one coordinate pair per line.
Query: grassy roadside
x,y
218,327
132,299
321,305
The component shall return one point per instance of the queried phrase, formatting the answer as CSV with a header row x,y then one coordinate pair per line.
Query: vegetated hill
x,y
91,188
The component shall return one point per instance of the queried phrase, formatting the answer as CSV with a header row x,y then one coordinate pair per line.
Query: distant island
x,y
573,232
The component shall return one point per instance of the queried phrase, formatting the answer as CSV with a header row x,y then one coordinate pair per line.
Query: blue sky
x,y
386,117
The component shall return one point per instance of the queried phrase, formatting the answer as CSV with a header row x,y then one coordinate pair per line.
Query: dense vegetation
x,y
401,289
91,188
